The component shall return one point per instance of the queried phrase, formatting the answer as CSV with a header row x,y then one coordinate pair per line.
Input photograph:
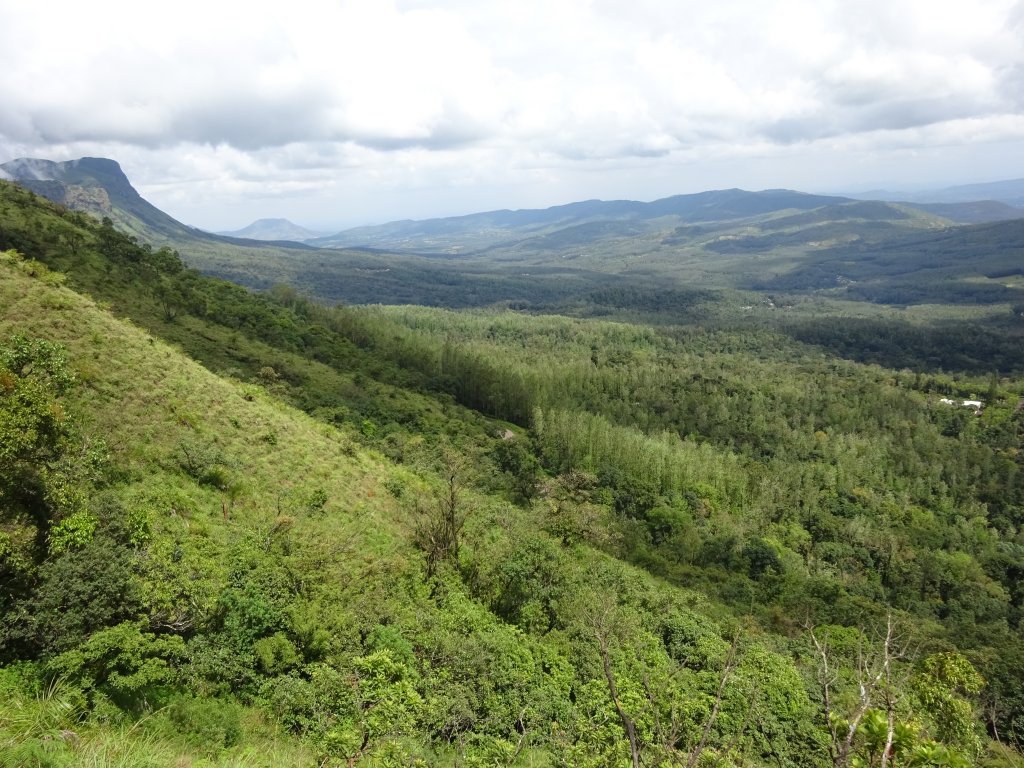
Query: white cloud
x,y
206,101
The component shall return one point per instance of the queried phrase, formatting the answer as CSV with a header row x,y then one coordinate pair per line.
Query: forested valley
x,y
630,527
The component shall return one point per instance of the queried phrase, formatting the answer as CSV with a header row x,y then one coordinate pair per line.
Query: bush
x,y
131,666
208,723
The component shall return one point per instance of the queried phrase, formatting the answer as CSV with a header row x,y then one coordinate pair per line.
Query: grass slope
x,y
147,401
338,523
296,582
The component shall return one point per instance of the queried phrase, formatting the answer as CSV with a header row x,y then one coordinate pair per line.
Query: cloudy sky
x,y
337,113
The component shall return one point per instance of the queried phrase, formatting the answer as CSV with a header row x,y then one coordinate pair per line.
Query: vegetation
x,y
241,529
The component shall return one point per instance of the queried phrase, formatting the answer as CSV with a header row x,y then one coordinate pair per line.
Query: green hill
x,y
477,231
566,258
972,264
485,539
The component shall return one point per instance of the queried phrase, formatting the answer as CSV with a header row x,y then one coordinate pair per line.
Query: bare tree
x,y
667,733
604,630
440,521
875,685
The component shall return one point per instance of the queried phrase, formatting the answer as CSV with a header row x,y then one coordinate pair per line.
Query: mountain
x,y
460,234
972,212
1009,192
273,229
99,186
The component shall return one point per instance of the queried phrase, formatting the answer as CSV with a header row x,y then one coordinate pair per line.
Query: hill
x,y
273,229
974,212
99,186
482,230
972,264
719,515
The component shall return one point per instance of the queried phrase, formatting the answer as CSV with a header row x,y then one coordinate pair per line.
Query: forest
x,y
620,526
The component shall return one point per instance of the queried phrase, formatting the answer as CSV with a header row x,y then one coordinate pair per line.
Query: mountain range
x,y
1009,192
99,186
834,247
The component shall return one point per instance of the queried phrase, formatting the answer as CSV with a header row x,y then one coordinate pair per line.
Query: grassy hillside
x,y
182,446
270,582
487,538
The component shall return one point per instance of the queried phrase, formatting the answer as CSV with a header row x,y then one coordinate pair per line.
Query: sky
x,y
341,113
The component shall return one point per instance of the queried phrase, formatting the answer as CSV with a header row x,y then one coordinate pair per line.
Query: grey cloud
x,y
910,113
245,124
1011,84
800,129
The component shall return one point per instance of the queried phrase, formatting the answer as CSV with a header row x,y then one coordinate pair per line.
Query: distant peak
x,y
272,229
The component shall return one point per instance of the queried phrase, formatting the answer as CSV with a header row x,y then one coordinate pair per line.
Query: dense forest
x,y
252,529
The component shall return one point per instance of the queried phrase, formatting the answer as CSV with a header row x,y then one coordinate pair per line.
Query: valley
x,y
686,482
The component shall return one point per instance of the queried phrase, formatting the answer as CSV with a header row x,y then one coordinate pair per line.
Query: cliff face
x,y
92,199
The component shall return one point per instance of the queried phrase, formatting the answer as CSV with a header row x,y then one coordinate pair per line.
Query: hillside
x,y
496,228
492,539
709,254
979,264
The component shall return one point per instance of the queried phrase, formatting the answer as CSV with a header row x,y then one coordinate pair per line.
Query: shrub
x,y
207,723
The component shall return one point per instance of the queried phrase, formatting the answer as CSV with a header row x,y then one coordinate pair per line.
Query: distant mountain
x,y
478,231
976,212
1009,192
274,229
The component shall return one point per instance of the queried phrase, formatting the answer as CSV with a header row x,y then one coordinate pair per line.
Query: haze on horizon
x,y
335,114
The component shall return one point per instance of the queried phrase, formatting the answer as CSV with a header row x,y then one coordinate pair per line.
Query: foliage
x,y
390,580
125,663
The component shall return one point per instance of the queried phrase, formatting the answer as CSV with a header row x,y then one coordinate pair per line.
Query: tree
x,y
439,525
942,684
571,515
126,663
43,462
874,682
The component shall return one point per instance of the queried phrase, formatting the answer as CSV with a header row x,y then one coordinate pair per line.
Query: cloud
x,y
274,98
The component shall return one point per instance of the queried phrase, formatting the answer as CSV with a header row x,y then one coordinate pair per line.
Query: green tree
x,y
945,684
127,664
44,463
